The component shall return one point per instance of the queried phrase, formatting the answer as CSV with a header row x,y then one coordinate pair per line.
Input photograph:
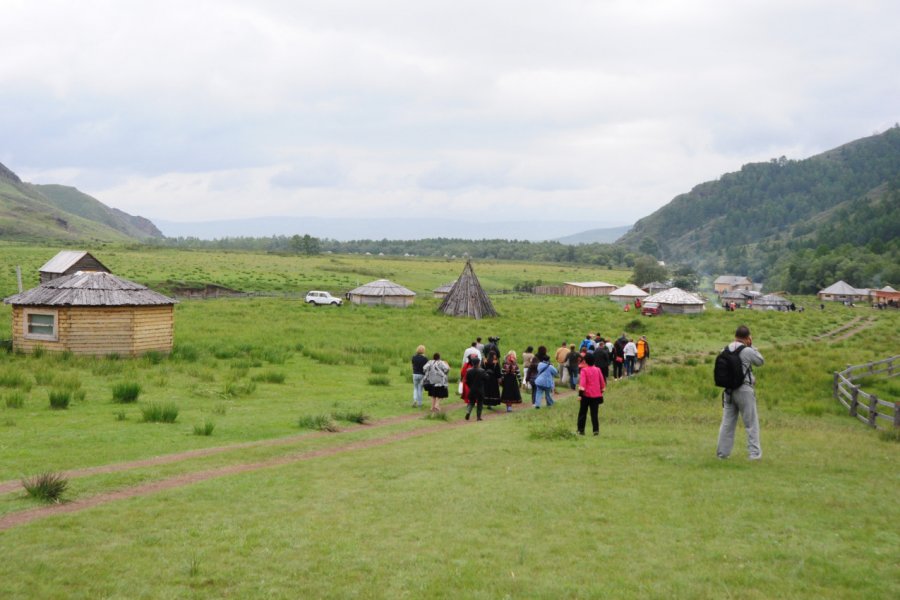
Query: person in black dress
x,y
492,382
475,380
510,372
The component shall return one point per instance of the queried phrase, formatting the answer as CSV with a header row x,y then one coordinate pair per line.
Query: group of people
x,y
486,381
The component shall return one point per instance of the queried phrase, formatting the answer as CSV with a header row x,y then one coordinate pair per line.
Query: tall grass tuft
x,y
126,392
185,353
48,487
352,416
317,422
234,389
154,357
378,369
269,377
15,400
552,430
204,429
437,416
14,379
38,352
379,380
59,399
155,412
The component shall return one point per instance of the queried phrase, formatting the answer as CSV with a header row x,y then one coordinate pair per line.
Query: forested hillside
x,y
799,224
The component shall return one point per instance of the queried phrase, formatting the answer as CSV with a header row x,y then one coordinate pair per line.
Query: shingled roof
x,y
674,296
382,287
64,259
90,288
467,298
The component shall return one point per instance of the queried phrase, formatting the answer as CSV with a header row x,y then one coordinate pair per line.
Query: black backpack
x,y
728,370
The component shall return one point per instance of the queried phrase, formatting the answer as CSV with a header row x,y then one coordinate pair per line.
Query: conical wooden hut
x,y
382,291
467,298
92,313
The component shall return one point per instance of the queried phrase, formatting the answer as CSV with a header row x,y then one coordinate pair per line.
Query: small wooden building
x,y
740,298
92,313
382,291
677,301
841,291
628,293
67,262
730,283
771,302
886,295
441,292
587,288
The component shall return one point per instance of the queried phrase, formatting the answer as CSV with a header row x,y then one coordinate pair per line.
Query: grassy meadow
x,y
513,507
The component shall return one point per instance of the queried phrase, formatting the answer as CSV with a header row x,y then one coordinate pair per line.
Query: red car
x,y
650,308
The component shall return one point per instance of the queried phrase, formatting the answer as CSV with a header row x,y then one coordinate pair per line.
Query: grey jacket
x,y
750,357
436,373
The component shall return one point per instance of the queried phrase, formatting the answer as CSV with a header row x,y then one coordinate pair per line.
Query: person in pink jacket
x,y
591,385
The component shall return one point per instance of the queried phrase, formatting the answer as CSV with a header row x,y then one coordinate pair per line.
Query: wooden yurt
x,y
677,301
442,291
771,302
587,288
467,298
67,262
382,291
740,298
628,293
654,287
92,313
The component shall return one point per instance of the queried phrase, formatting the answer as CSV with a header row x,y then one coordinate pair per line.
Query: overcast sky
x,y
197,110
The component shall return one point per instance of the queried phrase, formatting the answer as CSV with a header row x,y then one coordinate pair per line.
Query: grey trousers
x,y
739,402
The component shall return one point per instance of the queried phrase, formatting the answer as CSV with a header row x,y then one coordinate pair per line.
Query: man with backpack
x,y
733,371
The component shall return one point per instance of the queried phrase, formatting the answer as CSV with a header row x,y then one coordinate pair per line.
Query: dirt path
x,y
15,485
23,517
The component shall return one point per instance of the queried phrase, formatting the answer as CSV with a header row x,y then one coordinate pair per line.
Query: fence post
x,y
854,400
896,414
873,411
834,386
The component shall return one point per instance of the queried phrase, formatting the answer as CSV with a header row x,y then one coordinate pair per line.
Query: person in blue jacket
x,y
546,376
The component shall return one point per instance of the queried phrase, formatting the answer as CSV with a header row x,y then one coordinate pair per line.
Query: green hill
x,y
843,202
31,212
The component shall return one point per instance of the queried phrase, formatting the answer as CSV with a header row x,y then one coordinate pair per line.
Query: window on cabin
x,y
40,325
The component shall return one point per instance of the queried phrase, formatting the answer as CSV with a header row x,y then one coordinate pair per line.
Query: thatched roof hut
x,y
67,262
92,313
628,293
382,291
467,298
677,301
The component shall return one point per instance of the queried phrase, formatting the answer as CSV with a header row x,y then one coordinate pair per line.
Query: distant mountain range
x,y
391,229
32,212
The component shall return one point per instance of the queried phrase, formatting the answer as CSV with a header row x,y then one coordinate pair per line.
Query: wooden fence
x,y
854,399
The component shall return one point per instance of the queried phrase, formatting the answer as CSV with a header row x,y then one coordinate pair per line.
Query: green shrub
x,y
13,379
815,410
205,429
154,357
234,389
379,380
554,430
269,377
890,435
126,392
156,412
48,487
352,417
59,399
185,353
317,422
15,400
